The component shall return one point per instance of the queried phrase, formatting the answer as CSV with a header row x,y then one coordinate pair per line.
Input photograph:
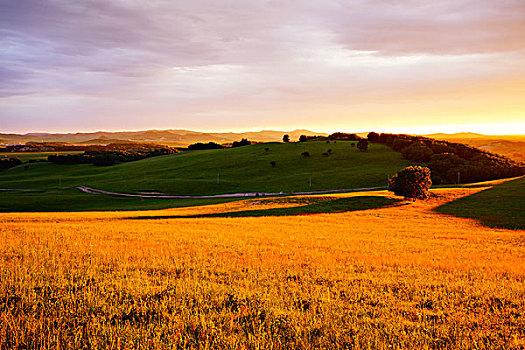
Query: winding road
x,y
91,190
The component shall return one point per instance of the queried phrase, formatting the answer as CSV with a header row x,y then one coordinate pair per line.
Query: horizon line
x,y
234,131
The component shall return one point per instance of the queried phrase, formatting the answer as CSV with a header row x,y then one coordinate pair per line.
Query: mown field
x,y
242,169
397,277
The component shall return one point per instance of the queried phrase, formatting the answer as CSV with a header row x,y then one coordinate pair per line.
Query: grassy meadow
x,y
70,199
396,277
502,205
242,169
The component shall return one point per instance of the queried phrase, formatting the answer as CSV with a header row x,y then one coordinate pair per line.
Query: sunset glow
x,y
416,67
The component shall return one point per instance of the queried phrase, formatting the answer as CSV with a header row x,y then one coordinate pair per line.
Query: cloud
x,y
209,57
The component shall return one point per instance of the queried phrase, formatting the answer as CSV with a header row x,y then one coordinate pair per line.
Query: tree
x,y
302,138
273,163
243,142
412,182
6,163
286,138
306,154
373,137
362,145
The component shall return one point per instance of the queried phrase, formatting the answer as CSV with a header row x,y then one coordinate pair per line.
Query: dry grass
x,y
399,277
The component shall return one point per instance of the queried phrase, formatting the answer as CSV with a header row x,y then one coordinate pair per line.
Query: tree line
x,y
106,158
448,159
214,145
6,163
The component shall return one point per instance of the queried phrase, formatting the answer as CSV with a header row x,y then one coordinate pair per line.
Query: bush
x,y
412,182
286,138
362,145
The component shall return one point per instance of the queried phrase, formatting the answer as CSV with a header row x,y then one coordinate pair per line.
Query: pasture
x,y
242,169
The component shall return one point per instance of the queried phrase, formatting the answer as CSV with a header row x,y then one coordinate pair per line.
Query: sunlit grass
x,y
398,277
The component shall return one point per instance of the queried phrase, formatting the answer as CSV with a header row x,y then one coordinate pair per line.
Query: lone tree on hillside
x,y
362,145
286,138
412,182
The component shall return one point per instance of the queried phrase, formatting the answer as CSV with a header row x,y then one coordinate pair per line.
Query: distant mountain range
x,y
168,137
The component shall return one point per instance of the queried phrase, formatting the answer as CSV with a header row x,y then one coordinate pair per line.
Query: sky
x,y
415,66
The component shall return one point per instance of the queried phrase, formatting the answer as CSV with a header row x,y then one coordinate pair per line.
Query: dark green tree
x,y
362,145
373,137
286,138
412,182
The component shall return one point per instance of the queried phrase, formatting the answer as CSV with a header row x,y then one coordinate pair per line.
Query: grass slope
x,y
70,199
500,206
243,169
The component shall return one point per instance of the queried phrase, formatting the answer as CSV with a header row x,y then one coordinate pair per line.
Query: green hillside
x,y
242,169
500,206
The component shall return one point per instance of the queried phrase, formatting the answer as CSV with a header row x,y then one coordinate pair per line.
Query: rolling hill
x,y
511,146
233,170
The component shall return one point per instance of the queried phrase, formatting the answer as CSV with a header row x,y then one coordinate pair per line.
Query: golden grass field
x,y
402,277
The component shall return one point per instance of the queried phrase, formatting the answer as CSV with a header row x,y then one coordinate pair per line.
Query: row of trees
x,y
200,146
6,163
332,137
448,161
106,158
213,145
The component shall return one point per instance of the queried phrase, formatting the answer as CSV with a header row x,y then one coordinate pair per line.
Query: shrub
x,y
286,138
362,145
273,163
412,182
306,154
